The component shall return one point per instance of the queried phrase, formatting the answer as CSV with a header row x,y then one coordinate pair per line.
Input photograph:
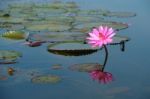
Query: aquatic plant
x,y
100,37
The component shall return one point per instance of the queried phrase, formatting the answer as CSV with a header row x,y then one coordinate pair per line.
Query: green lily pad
x,y
59,36
46,79
60,20
11,20
71,49
87,27
16,35
119,39
4,13
94,12
21,5
11,26
48,26
83,19
49,11
53,5
120,14
9,56
22,13
86,67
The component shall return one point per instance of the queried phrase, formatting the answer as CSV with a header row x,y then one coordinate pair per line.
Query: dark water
x,y
130,68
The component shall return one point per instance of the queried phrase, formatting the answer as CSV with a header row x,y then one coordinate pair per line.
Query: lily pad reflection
x,y
86,67
119,39
49,79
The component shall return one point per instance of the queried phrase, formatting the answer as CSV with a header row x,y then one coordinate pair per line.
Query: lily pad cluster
x,y
58,22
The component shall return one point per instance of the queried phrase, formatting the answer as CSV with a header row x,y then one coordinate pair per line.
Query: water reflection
x,y
101,76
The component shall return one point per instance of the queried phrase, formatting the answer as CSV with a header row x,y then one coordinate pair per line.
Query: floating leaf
x,y
8,56
53,5
11,26
49,79
4,13
21,5
119,39
11,20
48,11
87,27
16,35
60,19
59,36
49,26
120,14
71,49
84,19
92,12
86,67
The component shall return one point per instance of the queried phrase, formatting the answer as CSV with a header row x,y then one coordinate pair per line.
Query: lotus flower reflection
x,y
101,76
100,36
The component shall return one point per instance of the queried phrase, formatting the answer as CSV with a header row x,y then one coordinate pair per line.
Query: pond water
x,y
130,68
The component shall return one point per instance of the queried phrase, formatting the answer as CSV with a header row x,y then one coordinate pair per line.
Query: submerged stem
x,y
106,57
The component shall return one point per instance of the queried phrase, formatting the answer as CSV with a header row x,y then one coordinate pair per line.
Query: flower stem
x,y
106,57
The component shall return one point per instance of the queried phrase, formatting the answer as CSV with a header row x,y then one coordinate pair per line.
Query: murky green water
x,y
130,68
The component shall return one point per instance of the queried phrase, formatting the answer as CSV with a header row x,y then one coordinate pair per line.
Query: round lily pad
x,y
119,39
120,14
49,79
16,35
71,49
11,20
21,5
95,12
11,26
84,19
59,19
59,36
53,5
9,56
49,11
86,67
87,27
49,26
4,13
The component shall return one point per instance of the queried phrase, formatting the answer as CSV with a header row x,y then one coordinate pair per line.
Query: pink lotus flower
x,y
100,36
102,77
